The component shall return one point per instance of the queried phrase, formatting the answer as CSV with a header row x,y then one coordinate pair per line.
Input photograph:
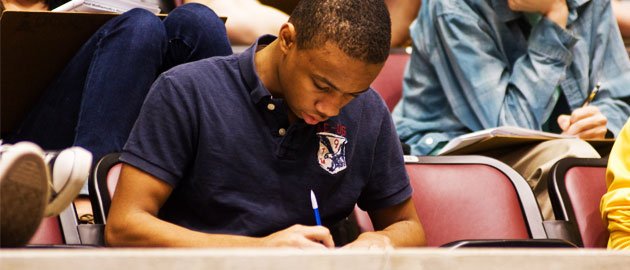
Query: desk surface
x,y
218,259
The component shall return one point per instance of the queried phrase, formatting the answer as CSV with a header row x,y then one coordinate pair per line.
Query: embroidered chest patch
x,y
331,155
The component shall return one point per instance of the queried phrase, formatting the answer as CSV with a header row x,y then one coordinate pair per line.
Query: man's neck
x,y
265,61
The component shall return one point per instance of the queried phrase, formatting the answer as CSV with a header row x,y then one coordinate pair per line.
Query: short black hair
x,y
360,28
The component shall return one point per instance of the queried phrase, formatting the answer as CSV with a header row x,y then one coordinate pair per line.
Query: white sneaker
x,y
24,192
69,169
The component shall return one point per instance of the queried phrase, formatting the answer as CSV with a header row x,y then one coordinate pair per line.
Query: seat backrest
x,y
575,190
388,83
48,233
58,230
471,197
102,184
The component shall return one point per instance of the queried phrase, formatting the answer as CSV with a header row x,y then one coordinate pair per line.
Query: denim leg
x,y
127,61
94,102
194,32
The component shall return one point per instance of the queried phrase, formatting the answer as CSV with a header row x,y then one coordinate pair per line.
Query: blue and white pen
x,y
315,208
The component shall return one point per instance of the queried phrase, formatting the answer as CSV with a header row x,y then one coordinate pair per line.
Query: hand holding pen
x,y
302,236
587,122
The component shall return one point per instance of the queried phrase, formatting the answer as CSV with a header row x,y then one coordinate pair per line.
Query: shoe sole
x,y
24,193
81,162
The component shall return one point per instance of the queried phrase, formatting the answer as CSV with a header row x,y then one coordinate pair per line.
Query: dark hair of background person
x,y
360,28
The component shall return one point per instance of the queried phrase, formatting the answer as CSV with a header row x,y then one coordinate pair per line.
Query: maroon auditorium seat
x,y
575,190
470,198
102,184
388,83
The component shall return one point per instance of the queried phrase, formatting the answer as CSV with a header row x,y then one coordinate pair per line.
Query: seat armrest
x,y
510,243
562,229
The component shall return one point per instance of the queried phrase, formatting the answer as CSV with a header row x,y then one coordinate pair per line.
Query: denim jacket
x,y
475,65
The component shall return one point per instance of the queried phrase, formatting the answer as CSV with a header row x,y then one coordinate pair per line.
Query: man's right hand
x,y
587,122
300,236
555,10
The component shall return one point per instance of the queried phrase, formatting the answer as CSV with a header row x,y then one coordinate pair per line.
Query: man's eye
x,y
322,88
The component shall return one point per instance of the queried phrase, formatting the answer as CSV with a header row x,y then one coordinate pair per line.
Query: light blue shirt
x,y
473,68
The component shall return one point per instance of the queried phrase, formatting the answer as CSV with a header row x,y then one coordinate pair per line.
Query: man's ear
x,y
287,37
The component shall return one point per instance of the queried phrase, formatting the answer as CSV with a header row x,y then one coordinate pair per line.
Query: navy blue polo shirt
x,y
212,131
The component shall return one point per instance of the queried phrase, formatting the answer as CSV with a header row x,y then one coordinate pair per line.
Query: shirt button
x,y
282,131
429,141
271,107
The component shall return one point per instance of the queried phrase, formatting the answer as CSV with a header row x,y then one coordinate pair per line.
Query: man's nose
x,y
329,106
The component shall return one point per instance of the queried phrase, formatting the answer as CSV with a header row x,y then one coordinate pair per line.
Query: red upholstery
x,y
469,197
363,220
585,187
48,233
575,190
102,184
456,202
388,83
112,179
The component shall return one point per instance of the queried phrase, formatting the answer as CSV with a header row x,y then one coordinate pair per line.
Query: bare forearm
x,y
558,13
405,234
144,230
402,13
396,226
622,13
32,5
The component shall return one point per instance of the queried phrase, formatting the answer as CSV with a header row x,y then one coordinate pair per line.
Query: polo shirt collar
x,y
248,69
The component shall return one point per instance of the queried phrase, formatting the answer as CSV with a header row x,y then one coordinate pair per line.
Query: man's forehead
x,y
342,89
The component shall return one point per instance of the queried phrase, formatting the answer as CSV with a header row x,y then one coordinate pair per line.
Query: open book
x,y
503,136
115,6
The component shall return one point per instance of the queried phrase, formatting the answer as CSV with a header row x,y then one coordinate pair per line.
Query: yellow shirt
x,y
615,204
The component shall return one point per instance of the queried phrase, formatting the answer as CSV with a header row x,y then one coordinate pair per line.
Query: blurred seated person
x,y
615,204
95,99
483,64
247,19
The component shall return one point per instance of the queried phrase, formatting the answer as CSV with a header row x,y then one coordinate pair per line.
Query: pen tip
x,y
313,200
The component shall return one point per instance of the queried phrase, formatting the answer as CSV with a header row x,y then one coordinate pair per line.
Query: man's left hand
x,y
370,240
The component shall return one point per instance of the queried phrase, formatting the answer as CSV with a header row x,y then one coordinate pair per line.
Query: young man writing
x,y
226,150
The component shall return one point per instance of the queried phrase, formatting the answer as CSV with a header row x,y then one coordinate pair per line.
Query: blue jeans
x,y
95,100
